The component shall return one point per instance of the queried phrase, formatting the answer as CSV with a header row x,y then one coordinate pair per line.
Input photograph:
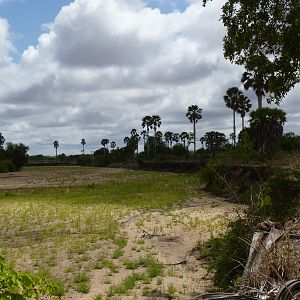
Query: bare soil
x,y
60,176
171,236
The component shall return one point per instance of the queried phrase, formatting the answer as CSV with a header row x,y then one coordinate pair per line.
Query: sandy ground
x,y
69,176
171,236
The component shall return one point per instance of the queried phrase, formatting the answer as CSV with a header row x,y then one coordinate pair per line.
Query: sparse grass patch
x,y
105,263
40,225
82,283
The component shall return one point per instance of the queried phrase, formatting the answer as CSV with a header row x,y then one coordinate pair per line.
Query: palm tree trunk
x,y
243,123
194,137
154,142
56,155
148,146
234,129
259,98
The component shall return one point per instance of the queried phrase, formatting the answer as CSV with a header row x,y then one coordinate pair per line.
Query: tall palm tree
x,y
183,137
232,100
146,122
126,140
135,138
168,138
113,145
55,145
259,83
175,137
194,114
155,123
202,140
104,142
83,143
143,135
244,107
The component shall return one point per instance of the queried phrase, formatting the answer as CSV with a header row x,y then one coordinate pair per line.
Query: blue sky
x,y
26,17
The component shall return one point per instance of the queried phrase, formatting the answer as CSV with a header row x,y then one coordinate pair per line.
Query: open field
x,y
110,233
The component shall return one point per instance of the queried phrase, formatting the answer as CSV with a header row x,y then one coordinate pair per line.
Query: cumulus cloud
x,y
104,64
6,45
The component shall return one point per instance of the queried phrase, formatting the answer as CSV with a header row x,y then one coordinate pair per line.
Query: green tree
x,y
258,82
113,145
147,122
104,143
169,138
134,140
244,107
266,128
2,140
194,114
17,153
55,145
215,141
155,124
232,100
83,142
264,36
143,135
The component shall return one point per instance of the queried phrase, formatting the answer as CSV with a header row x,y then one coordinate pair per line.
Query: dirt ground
x,y
55,177
172,237
169,236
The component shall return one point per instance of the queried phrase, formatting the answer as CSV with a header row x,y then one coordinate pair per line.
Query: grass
x,y
38,226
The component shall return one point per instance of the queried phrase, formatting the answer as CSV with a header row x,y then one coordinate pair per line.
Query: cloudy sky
x,y
94,68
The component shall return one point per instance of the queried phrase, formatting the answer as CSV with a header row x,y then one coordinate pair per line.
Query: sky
x,y
93,69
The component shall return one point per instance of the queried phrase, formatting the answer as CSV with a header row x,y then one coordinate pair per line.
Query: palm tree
x,y
56,145
183,137
104,142
126,140
244,107
259,83
194,114
202,140
147,122
155,123
135,138
113,145
143,135
232,100
175,137
168,138
83,143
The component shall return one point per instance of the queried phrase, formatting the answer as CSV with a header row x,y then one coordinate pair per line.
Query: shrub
x,y
23,286
6,166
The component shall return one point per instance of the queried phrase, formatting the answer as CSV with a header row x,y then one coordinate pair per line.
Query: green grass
x,y
38,225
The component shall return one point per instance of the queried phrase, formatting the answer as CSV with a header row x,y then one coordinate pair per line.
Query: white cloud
x,y
104,64
6,45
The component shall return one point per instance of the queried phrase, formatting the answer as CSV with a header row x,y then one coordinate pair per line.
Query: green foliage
x,y
6,166
154,269
17,153
290,142
215,141
22,286
82,283
266,128
179,150
127,284
283,188
227,254
264,37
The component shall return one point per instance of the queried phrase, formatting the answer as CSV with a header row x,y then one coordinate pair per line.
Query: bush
x,y
6,166
228,254
23,286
